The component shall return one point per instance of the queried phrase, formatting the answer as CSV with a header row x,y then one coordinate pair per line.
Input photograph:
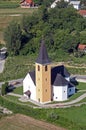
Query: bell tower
x,y
43,76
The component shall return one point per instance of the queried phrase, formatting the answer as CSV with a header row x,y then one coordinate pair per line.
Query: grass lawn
x,y
16,100
4,21
73,118
17,67
18,90
16,11
76,115
81,86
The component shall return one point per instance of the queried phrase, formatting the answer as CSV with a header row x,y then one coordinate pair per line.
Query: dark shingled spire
x,y
43,55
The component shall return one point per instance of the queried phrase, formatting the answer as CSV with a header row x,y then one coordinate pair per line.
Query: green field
x,y
73,118
9,14
18,90
81,86
17,67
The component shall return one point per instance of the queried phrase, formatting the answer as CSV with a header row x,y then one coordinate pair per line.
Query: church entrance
x,y
28,93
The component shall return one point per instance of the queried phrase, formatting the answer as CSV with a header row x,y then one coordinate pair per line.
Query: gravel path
x,y
56,105
2,62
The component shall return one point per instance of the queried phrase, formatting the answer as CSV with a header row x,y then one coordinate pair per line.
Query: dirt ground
x,y
22,122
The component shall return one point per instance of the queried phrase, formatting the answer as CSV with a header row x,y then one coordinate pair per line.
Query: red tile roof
x,y
27,1
81,46
82,12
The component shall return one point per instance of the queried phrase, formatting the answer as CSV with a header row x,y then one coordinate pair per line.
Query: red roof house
x,y
27,3
82,13
82,47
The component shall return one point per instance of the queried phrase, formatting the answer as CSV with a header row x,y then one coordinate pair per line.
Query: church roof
x,y
58,70
57,75
60,81
32,74
70,85
43,55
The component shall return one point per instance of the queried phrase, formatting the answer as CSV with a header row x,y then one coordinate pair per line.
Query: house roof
x,y
75,2
27,1
70,85
58,70
81,46
43,55
27,92
82,12
60,81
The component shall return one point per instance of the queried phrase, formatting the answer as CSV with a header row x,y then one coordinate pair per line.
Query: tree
x,y
80,24
43,2
12,36
70,44
4,88
83,37
62,4
83,2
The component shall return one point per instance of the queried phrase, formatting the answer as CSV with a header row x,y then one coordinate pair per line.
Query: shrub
x,y
52,116
4,88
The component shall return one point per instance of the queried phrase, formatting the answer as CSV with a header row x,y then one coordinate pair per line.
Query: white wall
x,y
60,93
28,84
67,0
76,6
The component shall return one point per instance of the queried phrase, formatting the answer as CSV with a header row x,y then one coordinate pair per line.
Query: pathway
x,y
2,62
55,105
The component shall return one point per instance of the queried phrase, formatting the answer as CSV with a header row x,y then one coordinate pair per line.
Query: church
x,y
47,83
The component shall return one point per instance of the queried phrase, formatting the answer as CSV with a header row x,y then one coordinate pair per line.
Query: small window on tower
x,y
46,68
38,68
46,79
46,90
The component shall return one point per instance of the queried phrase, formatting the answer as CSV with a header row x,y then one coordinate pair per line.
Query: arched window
x,y
46,68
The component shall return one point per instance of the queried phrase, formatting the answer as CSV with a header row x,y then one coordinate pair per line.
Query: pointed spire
x,y
43,55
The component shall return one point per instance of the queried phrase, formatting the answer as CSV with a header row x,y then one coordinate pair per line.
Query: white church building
x,y
47,83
